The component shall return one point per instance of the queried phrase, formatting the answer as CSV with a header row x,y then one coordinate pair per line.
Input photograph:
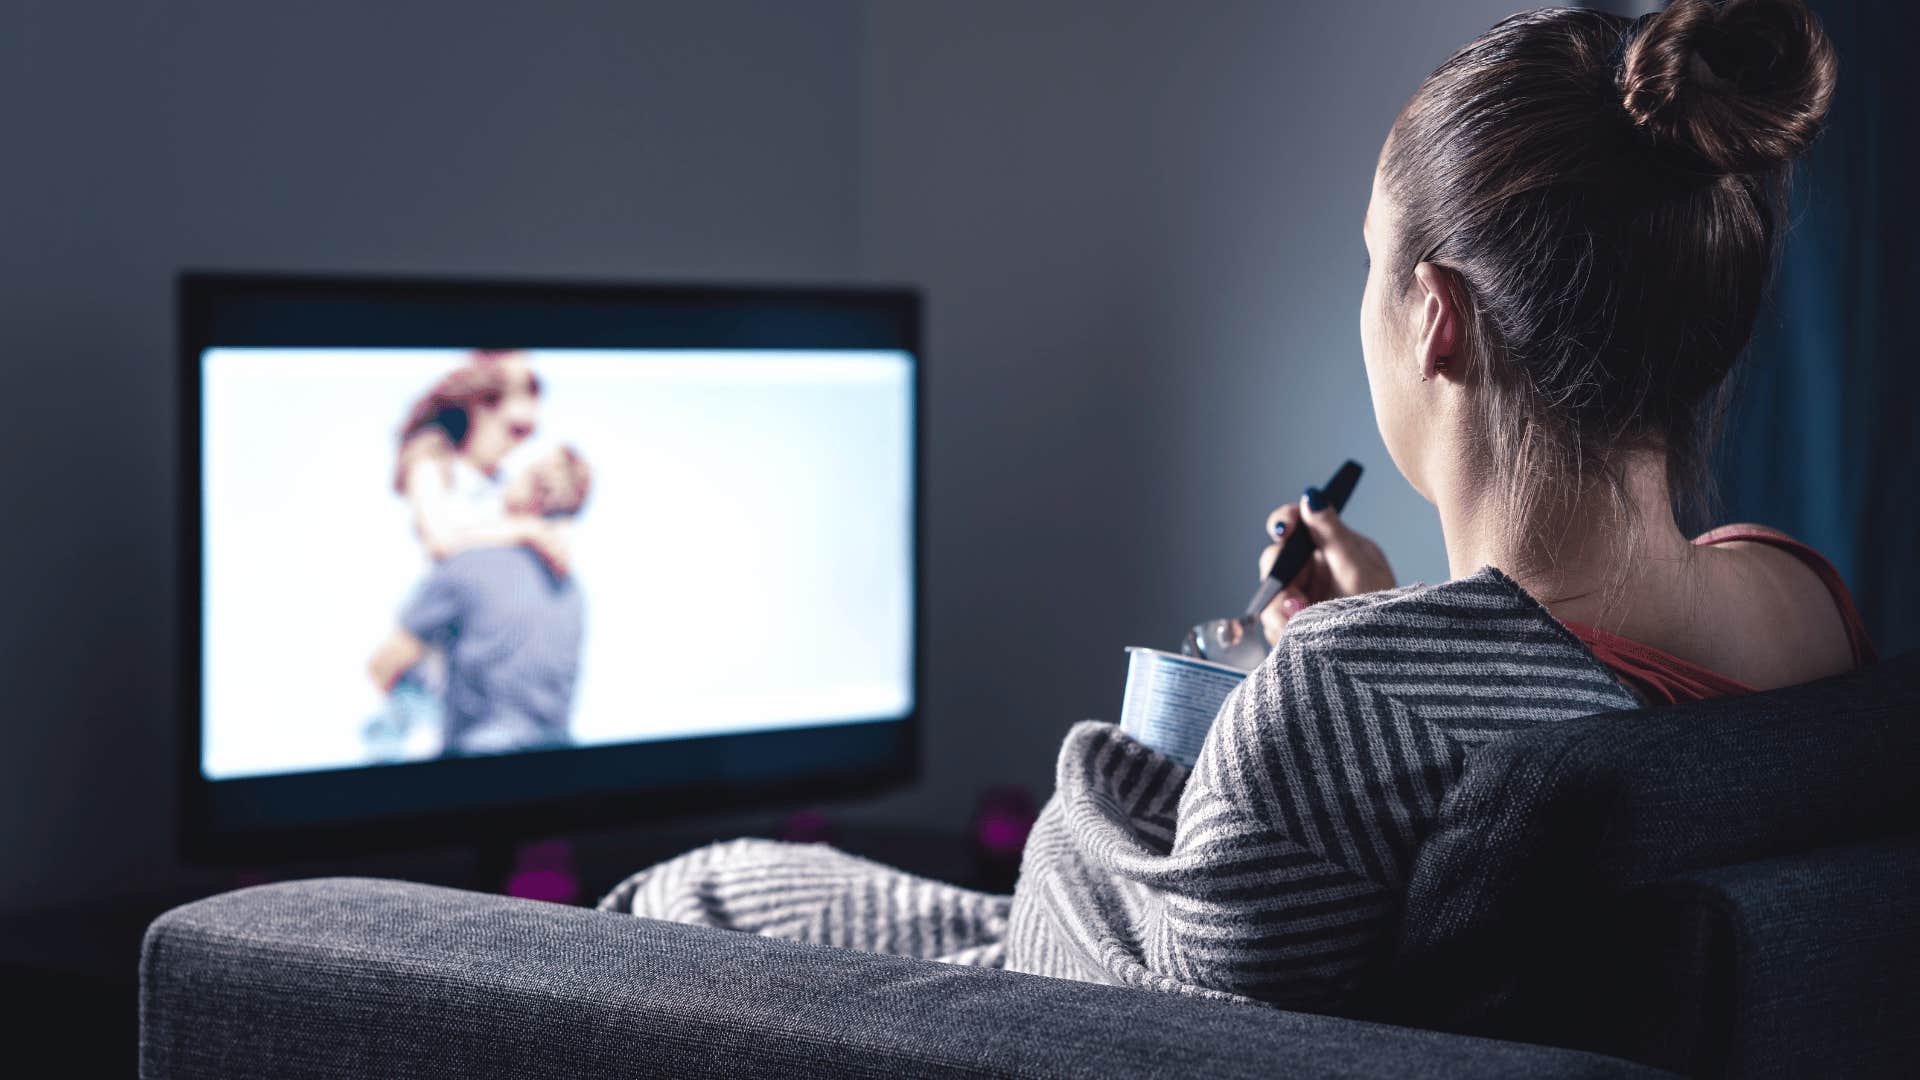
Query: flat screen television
x,y
467,560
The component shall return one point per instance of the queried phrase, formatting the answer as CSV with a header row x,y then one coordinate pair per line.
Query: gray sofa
x,y
1730,888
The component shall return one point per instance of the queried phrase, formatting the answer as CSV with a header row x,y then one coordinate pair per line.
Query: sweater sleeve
x,y
1277,873
1301,820
1274,870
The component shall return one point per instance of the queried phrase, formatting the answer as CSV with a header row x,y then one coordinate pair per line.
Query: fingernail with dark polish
x,y
1316,499
1279,529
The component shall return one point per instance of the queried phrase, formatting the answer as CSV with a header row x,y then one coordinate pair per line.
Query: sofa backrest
x,y
1551,827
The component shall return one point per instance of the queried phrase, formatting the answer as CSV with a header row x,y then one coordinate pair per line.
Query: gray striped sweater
x,y
1270,871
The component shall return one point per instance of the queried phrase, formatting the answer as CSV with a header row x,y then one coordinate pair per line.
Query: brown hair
x,y
1606,194
438,423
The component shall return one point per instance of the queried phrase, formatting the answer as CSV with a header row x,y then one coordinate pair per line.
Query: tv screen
x,y
471,558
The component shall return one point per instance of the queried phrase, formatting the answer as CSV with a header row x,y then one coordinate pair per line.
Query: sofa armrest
x,y
363,978
1807,965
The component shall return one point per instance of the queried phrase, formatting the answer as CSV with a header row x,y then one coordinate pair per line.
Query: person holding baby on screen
x,y
499,607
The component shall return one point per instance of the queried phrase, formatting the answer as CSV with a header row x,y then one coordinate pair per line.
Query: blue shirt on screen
x,y
511,629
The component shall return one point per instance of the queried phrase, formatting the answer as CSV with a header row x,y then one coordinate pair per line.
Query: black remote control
x,y
1299,546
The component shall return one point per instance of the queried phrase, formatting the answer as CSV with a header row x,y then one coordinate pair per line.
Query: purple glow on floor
x,y
1002,834
557,886
543,870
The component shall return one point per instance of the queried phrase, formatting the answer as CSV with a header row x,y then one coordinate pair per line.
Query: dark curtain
x,y
1821,441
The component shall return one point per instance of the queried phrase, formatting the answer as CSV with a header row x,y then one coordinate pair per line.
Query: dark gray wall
x,y
713,140
1138,225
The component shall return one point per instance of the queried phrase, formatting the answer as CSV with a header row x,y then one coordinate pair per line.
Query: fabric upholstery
x,y
1807,965
340,978
1551,828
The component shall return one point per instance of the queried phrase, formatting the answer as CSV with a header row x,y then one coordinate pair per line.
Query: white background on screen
x,y
745,556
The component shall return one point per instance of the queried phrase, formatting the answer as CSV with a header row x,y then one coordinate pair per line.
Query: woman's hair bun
x,y
1742,85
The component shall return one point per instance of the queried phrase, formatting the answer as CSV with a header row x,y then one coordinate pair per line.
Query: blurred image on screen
x,y
413,554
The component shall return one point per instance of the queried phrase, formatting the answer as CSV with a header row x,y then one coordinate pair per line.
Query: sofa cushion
x,y
341,978
1551,826
1806,965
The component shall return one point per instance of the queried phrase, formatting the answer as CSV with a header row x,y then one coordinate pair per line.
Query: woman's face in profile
x,y
1393,372
500,425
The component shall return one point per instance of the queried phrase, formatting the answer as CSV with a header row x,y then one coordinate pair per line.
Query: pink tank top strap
x,y
1658,677
1863,650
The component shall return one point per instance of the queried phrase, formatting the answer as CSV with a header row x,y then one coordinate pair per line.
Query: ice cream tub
x,y
1171,700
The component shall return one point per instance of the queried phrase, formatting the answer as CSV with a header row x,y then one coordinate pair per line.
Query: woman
x,y
448,464
1551,314
1569,234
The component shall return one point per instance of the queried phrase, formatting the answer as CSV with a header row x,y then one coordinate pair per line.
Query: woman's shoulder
x,y
1770,578
1482,598
1782,548
1458,645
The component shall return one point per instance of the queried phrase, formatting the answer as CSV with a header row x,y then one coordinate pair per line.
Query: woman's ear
x,y
1439,324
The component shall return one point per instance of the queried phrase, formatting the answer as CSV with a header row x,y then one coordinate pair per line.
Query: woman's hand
x,y
1344,563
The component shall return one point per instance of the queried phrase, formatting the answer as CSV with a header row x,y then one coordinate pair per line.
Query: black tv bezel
x,y
201,838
